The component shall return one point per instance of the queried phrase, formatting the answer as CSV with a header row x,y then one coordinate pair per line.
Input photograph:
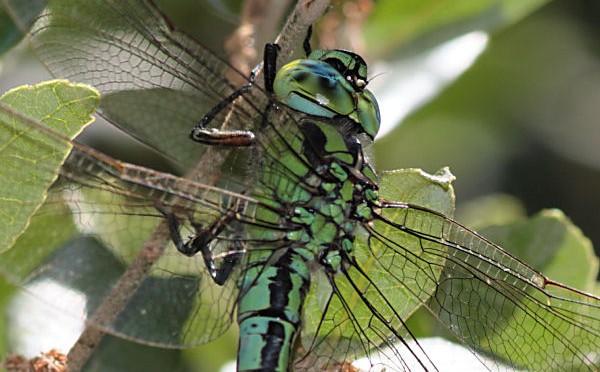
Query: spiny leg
x,y
270,59
270,65
200,242
306,43
212,136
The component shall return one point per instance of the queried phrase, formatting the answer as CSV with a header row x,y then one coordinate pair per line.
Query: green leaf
x,y
48,228
411,186
415,186
30,157
6,293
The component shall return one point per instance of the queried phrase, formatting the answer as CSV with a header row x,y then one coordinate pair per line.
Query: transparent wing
x,y
101,212
156,81
481,296
97,216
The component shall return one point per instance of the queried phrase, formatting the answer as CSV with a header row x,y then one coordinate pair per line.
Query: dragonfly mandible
x,y
363,245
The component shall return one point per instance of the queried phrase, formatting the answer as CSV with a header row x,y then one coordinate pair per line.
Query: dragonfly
x,y
318,263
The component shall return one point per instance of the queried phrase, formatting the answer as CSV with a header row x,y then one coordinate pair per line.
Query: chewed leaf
x,y
412,186
375,257
415,186
31,158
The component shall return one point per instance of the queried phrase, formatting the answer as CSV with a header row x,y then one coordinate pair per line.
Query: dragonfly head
x,y
329,83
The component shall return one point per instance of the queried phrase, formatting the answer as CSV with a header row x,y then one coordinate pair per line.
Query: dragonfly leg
x,y
200,242
270,65
221,273
174,231
212,136
306,43
270,59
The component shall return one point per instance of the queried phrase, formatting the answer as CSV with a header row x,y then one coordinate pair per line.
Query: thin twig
x,y
114,303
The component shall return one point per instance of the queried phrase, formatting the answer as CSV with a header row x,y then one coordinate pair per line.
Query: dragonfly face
x,y
329,83
320,263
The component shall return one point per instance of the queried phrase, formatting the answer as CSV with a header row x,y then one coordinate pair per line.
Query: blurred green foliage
x,y
522,120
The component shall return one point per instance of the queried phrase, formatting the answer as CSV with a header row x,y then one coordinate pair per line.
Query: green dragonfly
x,y
318,264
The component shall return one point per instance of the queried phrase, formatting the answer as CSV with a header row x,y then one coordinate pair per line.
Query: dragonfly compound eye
x,y
317,87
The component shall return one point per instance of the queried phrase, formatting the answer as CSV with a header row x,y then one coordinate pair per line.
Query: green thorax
x,y
316,186
314,168
317,175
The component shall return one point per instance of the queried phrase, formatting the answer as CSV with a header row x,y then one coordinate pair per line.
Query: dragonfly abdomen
x,y
269,311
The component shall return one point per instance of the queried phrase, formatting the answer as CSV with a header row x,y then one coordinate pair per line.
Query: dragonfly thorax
x,y
326,194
